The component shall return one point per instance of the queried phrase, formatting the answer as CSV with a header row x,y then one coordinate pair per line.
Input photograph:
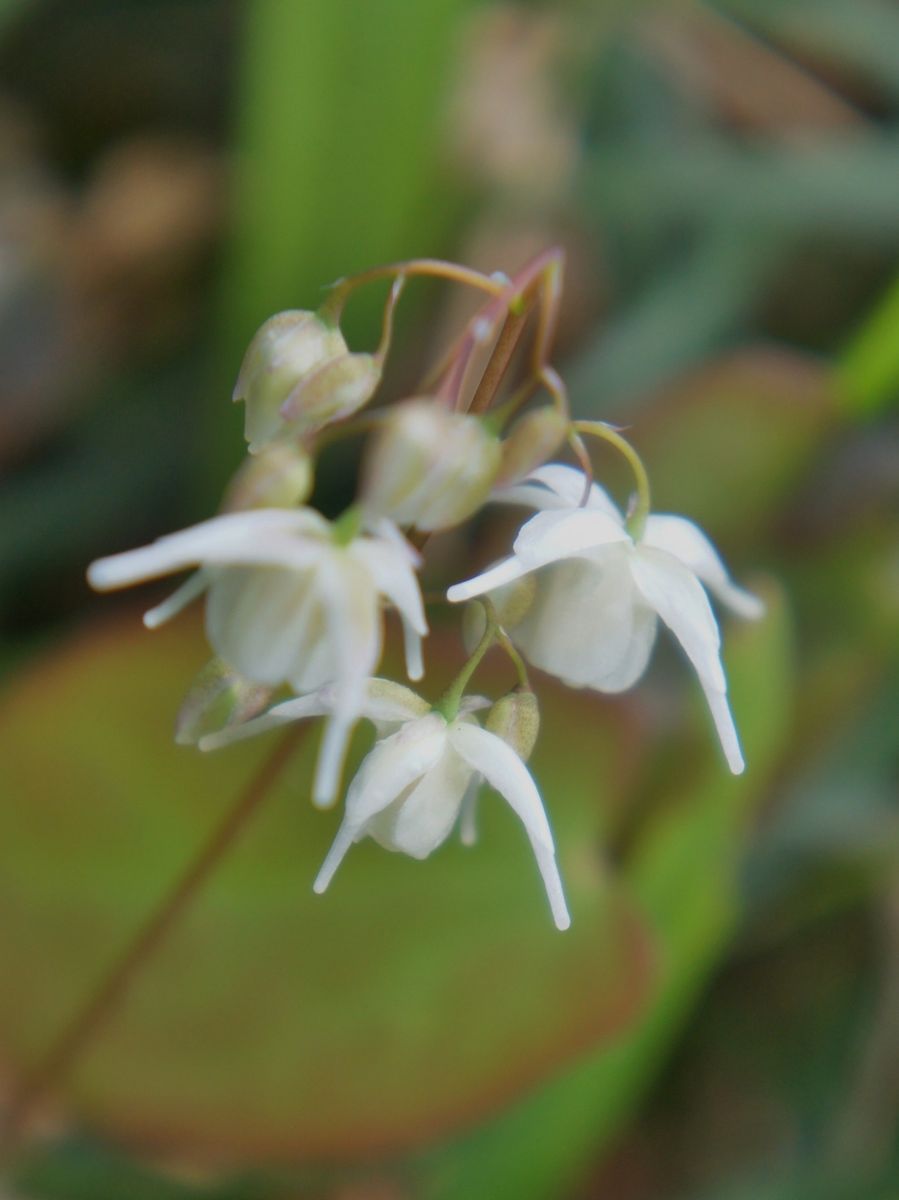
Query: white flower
x,y
288,602
412,787
599,594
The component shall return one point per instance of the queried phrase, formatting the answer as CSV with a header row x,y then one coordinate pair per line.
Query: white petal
x,y
192,587
342,842
556,486
393,765
581,622
468,821
264,621
394,578
678,597
504,771
504,572
261,536
330,760
354,634
384,528
386,700
415,663
422,818
550,536
637,652
386,771
689,545
318,704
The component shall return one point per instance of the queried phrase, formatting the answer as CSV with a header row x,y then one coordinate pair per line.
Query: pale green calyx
x,y
429,467
516,719
332,392
279,476
297,375
532,440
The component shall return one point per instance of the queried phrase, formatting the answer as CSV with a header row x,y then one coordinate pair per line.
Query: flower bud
x,y
218,698
516,719
337,389
280,476
532,440
429,467
287,349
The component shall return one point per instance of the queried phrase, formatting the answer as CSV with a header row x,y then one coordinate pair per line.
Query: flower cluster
x,y
294,600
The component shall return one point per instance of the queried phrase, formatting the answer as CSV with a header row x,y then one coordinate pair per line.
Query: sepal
x,y
516,719
218,699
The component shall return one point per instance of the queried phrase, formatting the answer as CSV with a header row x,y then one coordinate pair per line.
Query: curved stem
x,y
396,291
433,267
518,662
448,704
576,442
88,1020
636,521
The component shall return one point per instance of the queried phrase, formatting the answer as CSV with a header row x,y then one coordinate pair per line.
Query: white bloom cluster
x,y
295,600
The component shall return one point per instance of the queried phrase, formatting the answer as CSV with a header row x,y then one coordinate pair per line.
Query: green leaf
x,y
409,1000
869,370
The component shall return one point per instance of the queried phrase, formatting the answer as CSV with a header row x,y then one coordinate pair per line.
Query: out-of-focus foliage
x,y
722,1018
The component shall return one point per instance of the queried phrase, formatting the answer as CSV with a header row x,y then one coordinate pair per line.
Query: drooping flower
x,y
289,600
599,593
421,779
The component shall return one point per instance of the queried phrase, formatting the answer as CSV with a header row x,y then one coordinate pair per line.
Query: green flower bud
x,y
288,349
280,476
516,719
218,698
532,440
429,467
336,390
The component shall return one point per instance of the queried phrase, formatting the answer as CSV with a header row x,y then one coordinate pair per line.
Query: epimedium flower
x,y
290,598
600,592
422,776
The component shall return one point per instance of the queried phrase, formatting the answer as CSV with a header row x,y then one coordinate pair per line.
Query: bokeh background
x,y
723,1019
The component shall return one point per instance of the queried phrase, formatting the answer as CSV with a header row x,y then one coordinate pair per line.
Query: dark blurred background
x,y
725,179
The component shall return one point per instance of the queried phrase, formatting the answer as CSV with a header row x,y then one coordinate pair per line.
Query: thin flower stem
x,y
501,414
518,663
636,522
555,385
434,267
576,442
550,281
88,1020
449,702
396,291
347,527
